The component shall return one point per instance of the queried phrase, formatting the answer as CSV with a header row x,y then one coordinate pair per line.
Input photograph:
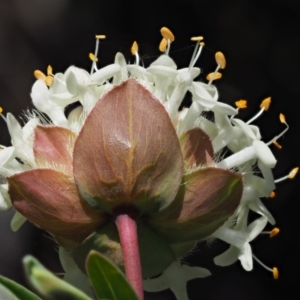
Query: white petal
x,y
264,154
246,258
193,113
228,257
230,236
162,70
7,155
58,84
257,206
245,127
5,202
123,74
223,108
164,60
238,158
194,272
268,176
105,73
255,228
29,127
39,96
193,71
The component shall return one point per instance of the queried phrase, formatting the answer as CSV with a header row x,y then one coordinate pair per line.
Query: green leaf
x,y
47,284
156,253
17,290
108,281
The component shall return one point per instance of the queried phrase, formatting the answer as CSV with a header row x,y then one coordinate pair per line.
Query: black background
x,y
260,40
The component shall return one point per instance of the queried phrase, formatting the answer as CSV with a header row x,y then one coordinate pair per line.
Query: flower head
x,y
129,148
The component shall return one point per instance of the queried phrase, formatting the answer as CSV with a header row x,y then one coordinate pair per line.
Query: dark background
x,y
260,40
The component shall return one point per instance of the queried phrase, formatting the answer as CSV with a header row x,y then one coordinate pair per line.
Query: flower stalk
x,y
127,229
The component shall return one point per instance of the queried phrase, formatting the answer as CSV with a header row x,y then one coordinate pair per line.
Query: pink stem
x,y
130,249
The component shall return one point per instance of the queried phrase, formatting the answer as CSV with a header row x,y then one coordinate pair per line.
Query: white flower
x,y
242,251
175,278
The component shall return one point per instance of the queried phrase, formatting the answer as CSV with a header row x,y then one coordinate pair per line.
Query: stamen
x,y
273,194
220,59
134,51
196,54
39,75
49,80
213,76
241,104
93,57
1,111
49,70
274,270
282,120
272,233
197,38
221,64
163,45
94,64
277,144
264,106
291,175
168,36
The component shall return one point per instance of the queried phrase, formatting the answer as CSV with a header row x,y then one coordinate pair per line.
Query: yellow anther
x,y
220,59
214,76
93,57
273,195
275,273
241,103
197,38
49,70
167,34
202,44
274,232
48,80
277,144
100,37
163,45
134,48
1,110
282,118
293,173
265,104
39,75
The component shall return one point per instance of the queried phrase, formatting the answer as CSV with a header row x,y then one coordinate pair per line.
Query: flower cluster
x,y
226,167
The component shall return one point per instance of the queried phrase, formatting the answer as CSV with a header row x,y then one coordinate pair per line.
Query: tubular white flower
x,y
243,252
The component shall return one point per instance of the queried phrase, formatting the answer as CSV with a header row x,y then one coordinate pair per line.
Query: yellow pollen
x,y
241,103
93,57
39,75
282,118
275,273
100,37
220,59
197,38
167,34
293,173
163,45
265,104
277,144
1,110
214,76
134,48
273,195
48,80
49,70
274,232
